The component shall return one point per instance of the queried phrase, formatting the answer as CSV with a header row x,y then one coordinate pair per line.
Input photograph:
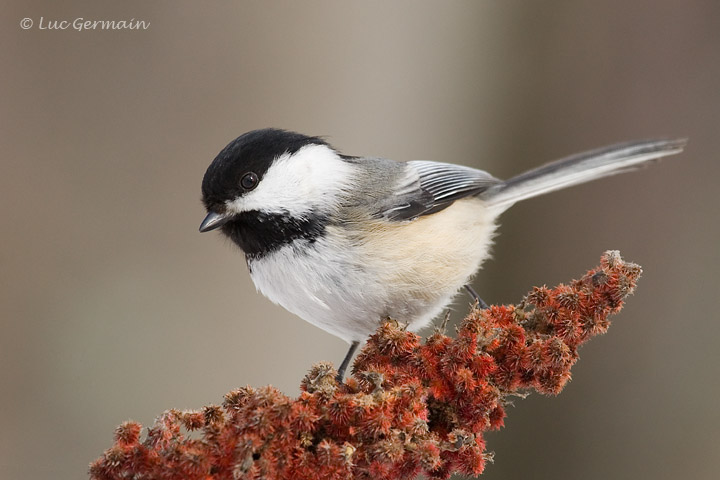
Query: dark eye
x,y
249,181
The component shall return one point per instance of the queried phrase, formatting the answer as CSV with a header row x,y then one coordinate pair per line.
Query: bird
x,y
346,242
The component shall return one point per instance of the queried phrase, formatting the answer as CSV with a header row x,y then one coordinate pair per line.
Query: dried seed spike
x,y
428,406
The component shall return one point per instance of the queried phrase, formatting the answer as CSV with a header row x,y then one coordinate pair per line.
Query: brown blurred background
x,y
113,306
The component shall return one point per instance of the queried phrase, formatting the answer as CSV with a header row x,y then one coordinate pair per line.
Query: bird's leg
x,y
346,361
481,303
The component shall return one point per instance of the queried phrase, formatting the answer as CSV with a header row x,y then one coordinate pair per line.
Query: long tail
x,y
579,168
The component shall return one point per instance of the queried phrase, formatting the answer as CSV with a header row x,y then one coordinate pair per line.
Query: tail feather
x,y
578,169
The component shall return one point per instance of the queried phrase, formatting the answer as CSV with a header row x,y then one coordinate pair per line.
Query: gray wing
x,y
428,187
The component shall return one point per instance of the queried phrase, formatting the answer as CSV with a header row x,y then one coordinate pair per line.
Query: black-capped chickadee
x,y
345,242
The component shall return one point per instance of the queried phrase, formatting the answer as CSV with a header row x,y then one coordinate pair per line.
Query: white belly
x,y
405,271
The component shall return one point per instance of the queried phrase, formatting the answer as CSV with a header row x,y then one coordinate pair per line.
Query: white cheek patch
x,y
312,177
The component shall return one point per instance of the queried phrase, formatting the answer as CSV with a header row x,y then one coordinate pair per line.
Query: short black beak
x,y
214,220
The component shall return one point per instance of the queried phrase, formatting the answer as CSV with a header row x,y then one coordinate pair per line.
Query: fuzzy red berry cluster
x,y
411,408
